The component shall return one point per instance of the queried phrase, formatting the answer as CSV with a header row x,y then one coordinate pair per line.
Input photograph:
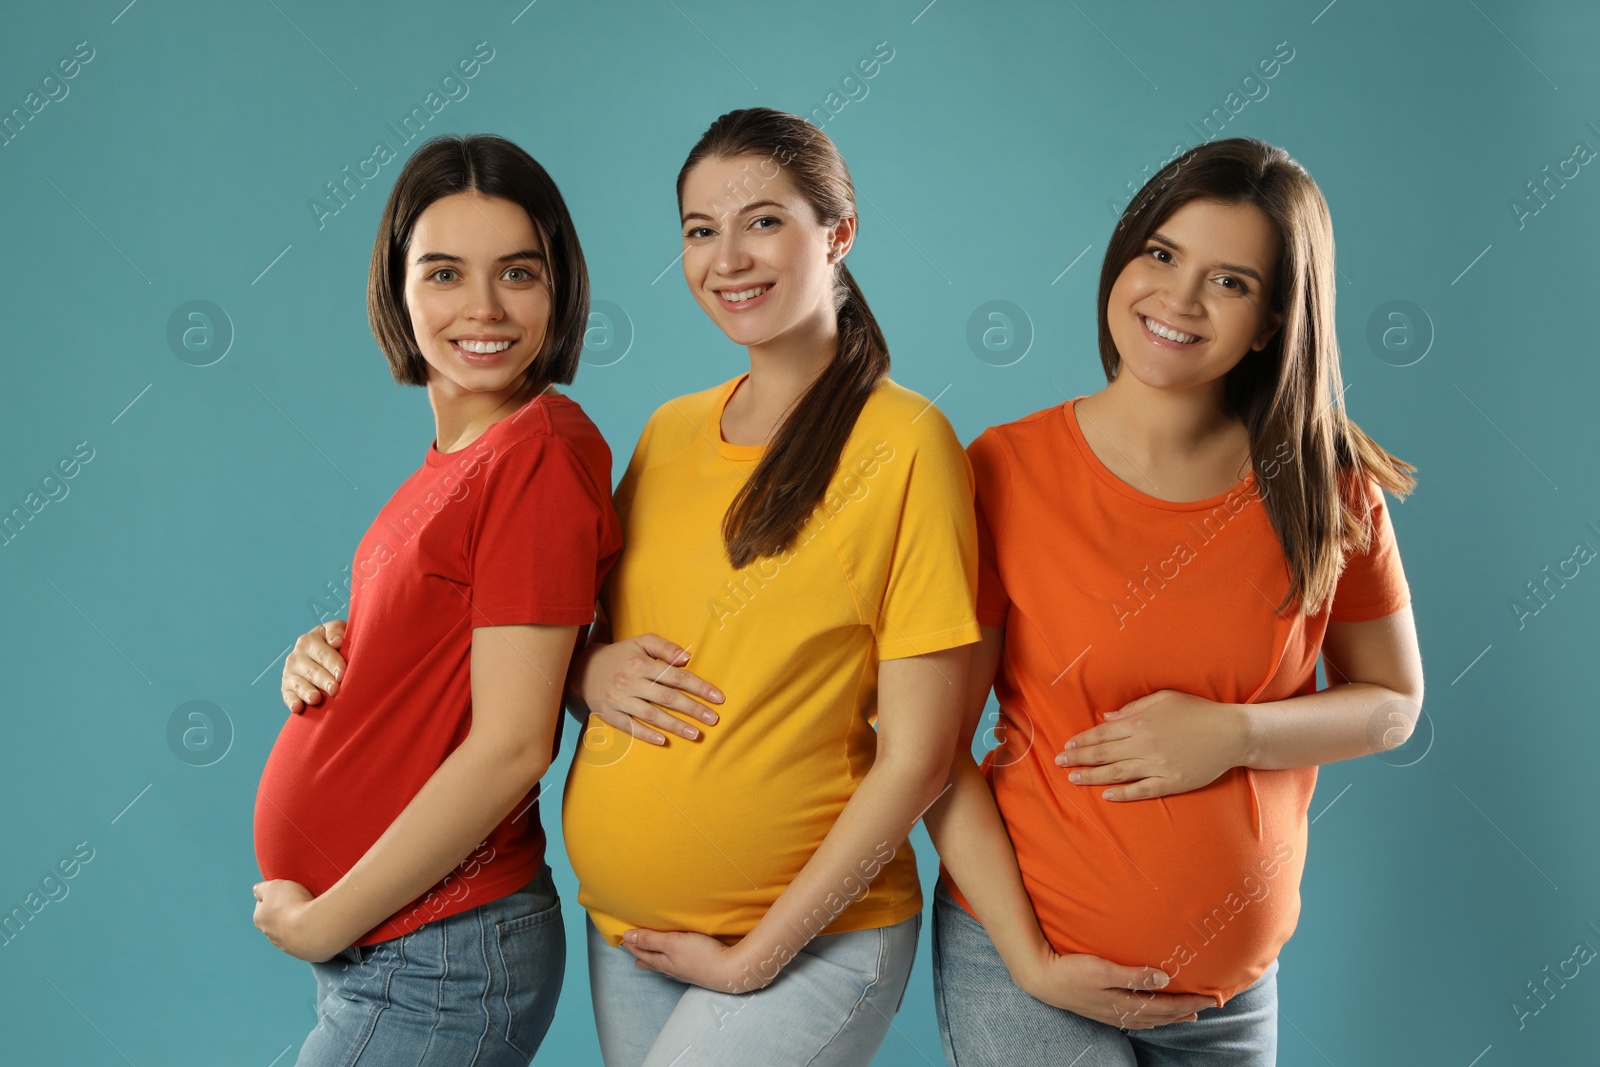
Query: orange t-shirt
x,y
1108,594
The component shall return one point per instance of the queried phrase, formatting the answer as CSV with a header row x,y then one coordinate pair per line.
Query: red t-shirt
x,y
1108,594
516,528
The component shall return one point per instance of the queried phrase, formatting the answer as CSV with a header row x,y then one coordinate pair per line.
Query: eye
x,y
1229,282
1159,254
698,231
766,218
527,274
442,270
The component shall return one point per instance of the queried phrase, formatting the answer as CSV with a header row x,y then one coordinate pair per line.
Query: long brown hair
x,y
1290,393
793,475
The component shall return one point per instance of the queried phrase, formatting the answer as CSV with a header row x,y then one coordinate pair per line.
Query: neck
x,y
783,368
1162,422
460,416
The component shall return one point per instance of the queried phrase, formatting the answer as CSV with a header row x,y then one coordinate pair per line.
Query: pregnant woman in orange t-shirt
x,y
1161,565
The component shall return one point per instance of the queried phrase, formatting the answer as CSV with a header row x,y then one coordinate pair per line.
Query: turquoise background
x,y
991,154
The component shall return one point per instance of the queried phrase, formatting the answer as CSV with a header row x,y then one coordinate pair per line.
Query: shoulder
x,y
678,422
906,420
553,433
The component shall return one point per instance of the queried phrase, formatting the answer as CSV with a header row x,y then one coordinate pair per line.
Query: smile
x,y
483,348
1167,333
741,298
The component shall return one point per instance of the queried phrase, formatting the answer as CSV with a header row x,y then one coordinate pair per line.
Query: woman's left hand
x,y
1164,743
284,913
696,959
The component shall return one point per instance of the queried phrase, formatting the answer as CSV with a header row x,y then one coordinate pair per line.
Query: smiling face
x,y
478,292
756,260
1197,297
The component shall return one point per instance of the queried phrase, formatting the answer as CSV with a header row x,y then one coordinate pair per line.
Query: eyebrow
x,y
1161,238
446,257
747,207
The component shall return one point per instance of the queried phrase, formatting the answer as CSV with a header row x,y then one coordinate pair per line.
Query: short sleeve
x,y
1373,583
537,541
932,574
991,474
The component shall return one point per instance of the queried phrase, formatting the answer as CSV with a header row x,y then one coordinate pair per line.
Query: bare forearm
x,y
1341,722
869,831
974,847
473,789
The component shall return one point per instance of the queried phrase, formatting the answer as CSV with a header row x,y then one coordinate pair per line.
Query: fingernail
x,y
1160,980
716,694
693,734
708,717
1074,777
1072,744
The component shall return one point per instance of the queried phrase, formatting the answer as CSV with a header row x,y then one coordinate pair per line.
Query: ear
x,y
841,235
1269,330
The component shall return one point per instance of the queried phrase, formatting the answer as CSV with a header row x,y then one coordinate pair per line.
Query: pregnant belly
x,y
1204,885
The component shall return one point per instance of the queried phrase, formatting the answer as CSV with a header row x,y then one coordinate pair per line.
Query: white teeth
x,y
485,348
1172,335
745,294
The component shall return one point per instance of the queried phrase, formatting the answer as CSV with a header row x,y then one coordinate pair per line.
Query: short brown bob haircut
x,y
490,166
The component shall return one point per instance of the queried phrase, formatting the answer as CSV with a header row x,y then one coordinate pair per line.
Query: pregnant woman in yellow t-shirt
x,y
805,533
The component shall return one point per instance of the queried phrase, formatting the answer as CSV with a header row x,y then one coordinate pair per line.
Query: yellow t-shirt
x,y
704,835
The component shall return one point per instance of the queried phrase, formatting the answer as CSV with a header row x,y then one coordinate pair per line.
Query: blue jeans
x,y
477,988
830,1007
984,1018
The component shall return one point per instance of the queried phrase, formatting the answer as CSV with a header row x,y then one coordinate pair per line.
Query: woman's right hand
x,y
629,683
1110,993
314,666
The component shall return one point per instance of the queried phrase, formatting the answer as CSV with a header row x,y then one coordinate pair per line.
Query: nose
x,y
483,302
732,254
1182,295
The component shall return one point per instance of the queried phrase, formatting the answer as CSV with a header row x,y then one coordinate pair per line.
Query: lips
x,y
744,297
1168,335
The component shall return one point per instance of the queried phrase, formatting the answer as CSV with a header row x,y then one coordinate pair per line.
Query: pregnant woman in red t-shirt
x,y
396,822
1161,565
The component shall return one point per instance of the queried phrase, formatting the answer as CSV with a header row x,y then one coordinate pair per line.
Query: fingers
x,y
660,648
1128,770
1143,979
621,720
333,631
674,700
296,685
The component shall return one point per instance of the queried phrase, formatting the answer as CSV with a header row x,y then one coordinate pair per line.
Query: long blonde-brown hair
x,y
793,475
1291,392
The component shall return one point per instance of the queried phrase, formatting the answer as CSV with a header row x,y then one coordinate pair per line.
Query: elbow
x,y
1395,720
